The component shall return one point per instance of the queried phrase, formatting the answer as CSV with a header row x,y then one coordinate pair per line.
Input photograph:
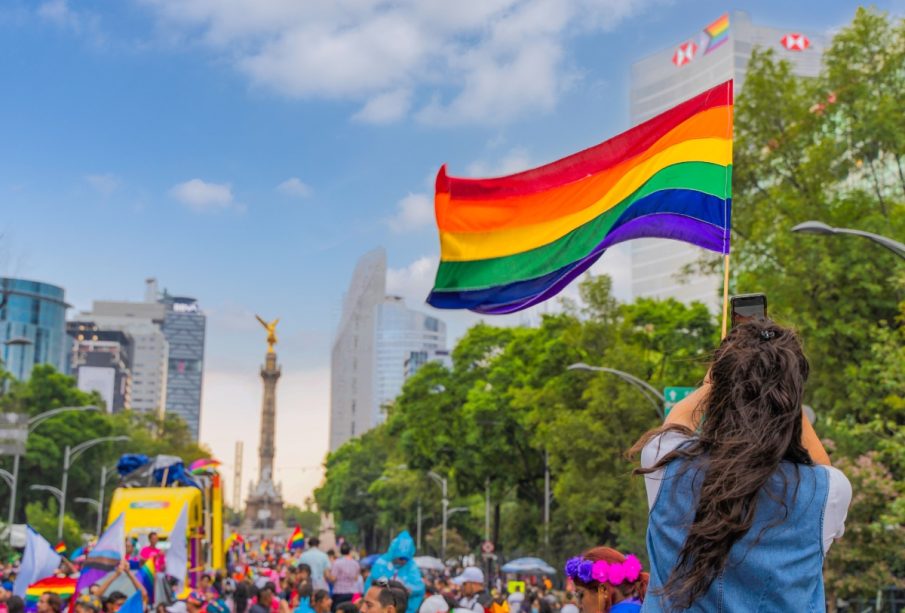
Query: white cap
x,y
434,604
471,574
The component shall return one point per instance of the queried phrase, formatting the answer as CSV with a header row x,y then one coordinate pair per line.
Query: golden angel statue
x,y
271,332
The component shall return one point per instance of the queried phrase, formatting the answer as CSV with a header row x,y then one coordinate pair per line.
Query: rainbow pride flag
x,y
297,538
60,548
204,466
716,34
64,587
147,574
512,242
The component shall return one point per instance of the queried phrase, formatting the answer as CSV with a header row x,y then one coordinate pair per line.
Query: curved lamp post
x,y
70,455
818,227
649,391
33,423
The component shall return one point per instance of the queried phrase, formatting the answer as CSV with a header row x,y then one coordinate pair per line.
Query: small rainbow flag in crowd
x,y
716,33
297,538
204,466
512,242
234,538
146,572
64,587
60,548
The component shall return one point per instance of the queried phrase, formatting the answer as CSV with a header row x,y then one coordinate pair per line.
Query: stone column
x,y
270,373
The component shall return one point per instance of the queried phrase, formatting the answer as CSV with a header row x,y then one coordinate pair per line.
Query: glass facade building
x,y
401,332
673,75
32,326
184,327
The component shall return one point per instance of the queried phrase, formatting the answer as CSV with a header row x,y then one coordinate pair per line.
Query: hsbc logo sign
x,y
795,42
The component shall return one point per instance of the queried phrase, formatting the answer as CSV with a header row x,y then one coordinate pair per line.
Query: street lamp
x,y
649,391
818,227
70,455
54,491
445,502
94,503
33,423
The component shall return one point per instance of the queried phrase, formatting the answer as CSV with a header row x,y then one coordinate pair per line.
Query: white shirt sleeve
x,y
838,498
652,452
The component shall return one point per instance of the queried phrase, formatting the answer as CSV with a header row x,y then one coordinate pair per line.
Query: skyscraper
x,y
150,349
352,368
32,326
101,361
721,51
401,332
184,327
376,338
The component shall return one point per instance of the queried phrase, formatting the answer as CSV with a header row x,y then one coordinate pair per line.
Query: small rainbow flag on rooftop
x,y
512,242
297,538
204,466
64,587
716,34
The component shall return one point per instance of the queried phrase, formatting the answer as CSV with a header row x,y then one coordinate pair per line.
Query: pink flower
x,y
600,571
616,574
632,567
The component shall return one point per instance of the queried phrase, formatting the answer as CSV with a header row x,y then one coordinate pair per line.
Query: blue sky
x,y
247,152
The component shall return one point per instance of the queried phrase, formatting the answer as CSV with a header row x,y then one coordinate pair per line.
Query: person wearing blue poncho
x,y
399,563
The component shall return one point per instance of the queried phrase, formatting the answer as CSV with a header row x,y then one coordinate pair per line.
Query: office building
x,y
377,341
400,333
721,51
149,348
419,358
101,362
184,327
352,364
32,326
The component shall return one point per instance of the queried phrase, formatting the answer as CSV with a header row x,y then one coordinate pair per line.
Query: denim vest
x,y
777,566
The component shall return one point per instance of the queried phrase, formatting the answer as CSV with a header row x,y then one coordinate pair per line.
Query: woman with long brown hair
x,y
607,581
743,501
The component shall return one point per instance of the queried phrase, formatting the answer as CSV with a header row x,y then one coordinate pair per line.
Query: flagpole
x,y
725,293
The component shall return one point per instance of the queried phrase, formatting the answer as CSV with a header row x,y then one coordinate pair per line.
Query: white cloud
x,y
58,12
104,184
412,212
385,108
478,61
202,197
294,187
515,160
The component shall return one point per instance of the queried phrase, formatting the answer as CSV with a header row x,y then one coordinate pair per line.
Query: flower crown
x,y
586,571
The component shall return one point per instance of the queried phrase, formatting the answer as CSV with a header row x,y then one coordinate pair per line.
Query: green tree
x,y
309,521
45,521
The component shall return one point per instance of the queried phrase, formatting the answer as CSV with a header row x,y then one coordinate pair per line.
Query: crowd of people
x,y
743,507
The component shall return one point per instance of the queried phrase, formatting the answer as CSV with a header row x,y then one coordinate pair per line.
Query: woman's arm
x,y
811,442
685,412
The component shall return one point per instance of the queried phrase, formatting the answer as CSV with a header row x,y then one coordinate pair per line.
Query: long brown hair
x,y
751,422
636,589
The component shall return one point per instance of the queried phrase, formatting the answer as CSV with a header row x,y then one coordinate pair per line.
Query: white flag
x,y
177,554
38,561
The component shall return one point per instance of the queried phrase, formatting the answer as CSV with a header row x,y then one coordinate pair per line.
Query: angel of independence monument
x,y
264,507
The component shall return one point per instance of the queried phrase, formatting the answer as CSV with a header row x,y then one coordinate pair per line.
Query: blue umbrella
x,y
528,566
368,561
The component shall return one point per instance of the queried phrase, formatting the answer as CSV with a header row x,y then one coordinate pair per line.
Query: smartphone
x,y
747,307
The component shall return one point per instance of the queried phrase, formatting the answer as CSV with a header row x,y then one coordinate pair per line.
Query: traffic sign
x,y
673,395
487,547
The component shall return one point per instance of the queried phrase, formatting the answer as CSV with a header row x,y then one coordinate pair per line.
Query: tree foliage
x,y
42,463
